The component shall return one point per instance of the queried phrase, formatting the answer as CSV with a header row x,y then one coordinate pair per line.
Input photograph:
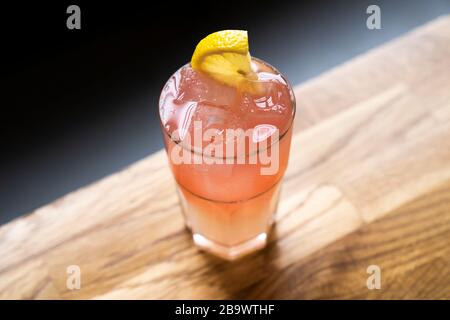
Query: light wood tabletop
x,y
368,183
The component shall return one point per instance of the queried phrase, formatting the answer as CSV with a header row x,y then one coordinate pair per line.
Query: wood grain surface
x,y
368,184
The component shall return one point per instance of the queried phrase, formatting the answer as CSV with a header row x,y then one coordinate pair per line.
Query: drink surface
x,y
266,103
191,95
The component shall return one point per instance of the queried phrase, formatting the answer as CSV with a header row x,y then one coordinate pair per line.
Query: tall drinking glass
x,y
228,149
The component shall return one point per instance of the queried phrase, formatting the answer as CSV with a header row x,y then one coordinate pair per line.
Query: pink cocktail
x,y
229,184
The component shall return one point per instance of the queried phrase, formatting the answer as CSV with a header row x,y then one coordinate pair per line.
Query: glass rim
x,y
196,152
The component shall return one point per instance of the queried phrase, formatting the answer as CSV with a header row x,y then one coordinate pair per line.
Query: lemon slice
x,y
224,55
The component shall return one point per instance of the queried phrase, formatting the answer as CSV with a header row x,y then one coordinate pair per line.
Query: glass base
x,y
229,230
233,252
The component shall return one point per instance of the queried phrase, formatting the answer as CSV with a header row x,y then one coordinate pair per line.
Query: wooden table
x,y
368,184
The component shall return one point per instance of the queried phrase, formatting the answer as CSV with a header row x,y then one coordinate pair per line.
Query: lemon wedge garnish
x,y
224,55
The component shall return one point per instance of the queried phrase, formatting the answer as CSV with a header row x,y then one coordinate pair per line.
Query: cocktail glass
x,y
228,202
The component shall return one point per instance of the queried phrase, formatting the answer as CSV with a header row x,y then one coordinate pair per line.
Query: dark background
x,y
78,105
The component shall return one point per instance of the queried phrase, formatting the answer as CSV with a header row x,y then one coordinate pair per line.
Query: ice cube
x,y
198,87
